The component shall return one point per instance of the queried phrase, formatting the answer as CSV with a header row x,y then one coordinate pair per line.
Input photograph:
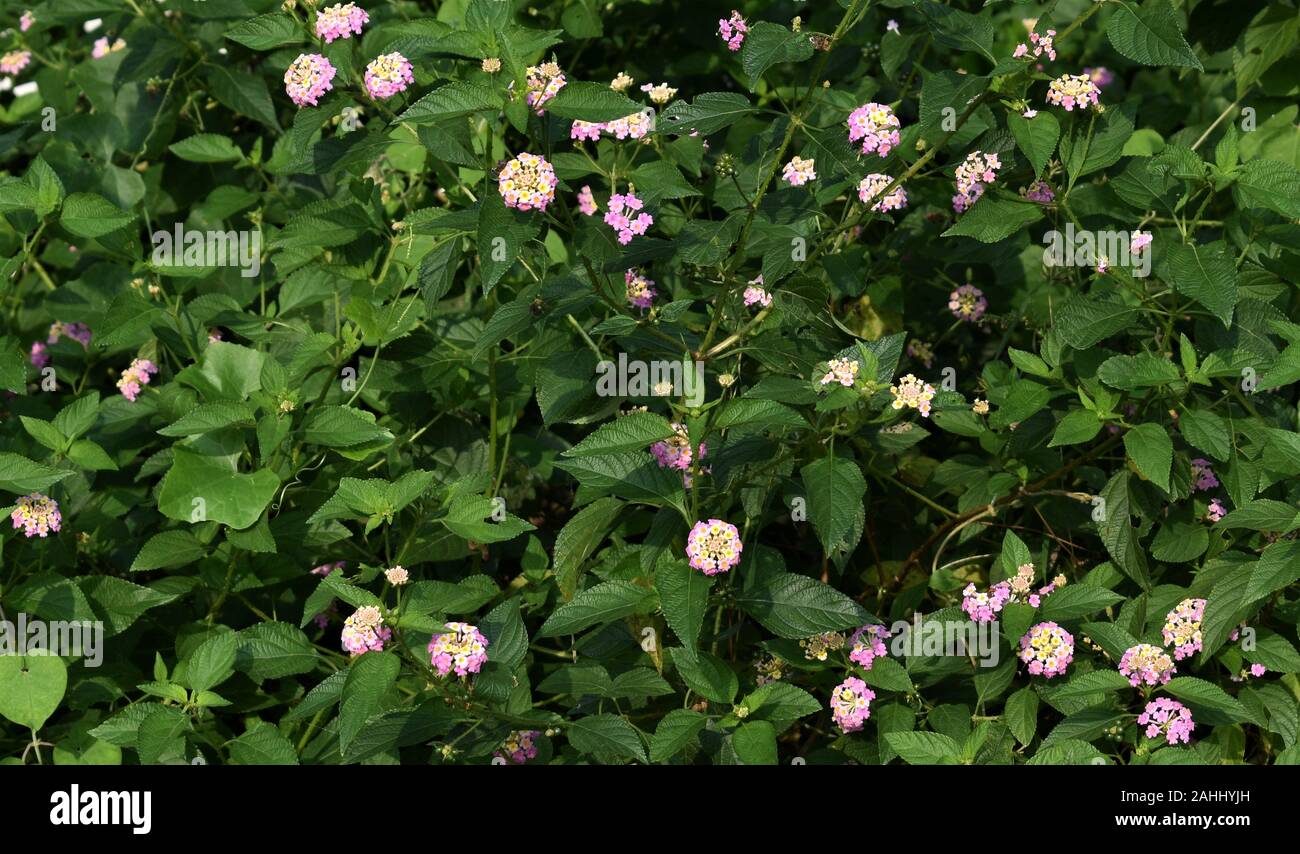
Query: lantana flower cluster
x,y
387,75
308,78
842,371
1041,45
365,631
1146,664
756,294
15,61
543,83
799,171
1168,718
137,375
519,746
36,515
868,644
714,546
978,170
1182,628
874,185
967,303
463,649
103,47
640,289
733,31
620,217
851,704
527,181
876,126
1047,649
675,451
1074,90
1203,478
914,393
340,21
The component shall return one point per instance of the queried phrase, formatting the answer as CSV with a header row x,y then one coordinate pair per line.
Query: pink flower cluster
x,y
842,371
756,294
340,21
799,171
912,392
1041,192
365,631
581,130
873,185
37,515
1216,510
1168,718
1203,475
675,451
1042,45
463,649
543,83
733,31
15,61
640,289
714,546
1138,241
308,78
526,182
851,704
1100,75
984,607
519,746
1048,649
634,126
26,21
967,303
876,126
976,171
619,217
868,644
134,377
387,75
1073,90
1147,664
1182,628
78,332
103,48
586,201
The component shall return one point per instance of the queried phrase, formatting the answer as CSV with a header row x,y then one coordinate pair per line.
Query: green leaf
x,y
342,427
769,44
1078,426
591,102
455,100
1035,137
1077,600
755,743
22,476
207,148
208,417
706,674
31,688
633,432
608,601
579,538
960,30
1207,274
266,32
781,703
1094,682
262,745
1150,35
1141,371
1269,184
835,487
684,594
168,549
924,748
707,114
200,488
212,662
91,215
995,218
1208,433
606,735
796,606
1021,715
1152,451
1200,694
370,678
888,675
676,730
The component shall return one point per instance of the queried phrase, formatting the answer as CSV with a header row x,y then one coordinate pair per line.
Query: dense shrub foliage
x,y
483,381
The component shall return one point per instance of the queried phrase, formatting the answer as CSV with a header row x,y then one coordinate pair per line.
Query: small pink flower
x,y
974,173
543,83
1073,90
38,356
340,21
675,451
799,172
1100,75
1048,649
755,294
463,649
388,75
876,126
714,546
967,303
619,217
586,201
326,568
1039,191
365,631
528,181
26,21
15,61
519,746
1147,664
1182,628
733,31
868,645
1168,718
1203,475
873,185
134,377
102,48
586,130
78,332
1216,510
37,515
851,704
308,78
640,290
1138,241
